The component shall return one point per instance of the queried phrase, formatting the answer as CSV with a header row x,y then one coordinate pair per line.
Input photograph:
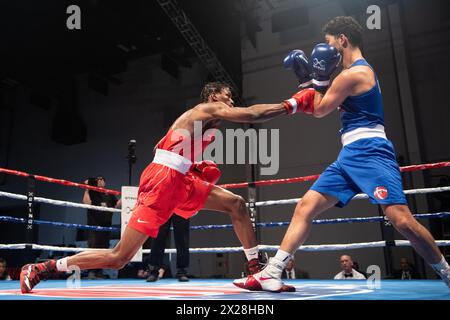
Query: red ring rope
x,y
226,186
314,177
59,181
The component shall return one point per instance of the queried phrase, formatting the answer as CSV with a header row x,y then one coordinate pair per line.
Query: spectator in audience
x,y
293,273
406,272
3,273
348,273
99,239
181,235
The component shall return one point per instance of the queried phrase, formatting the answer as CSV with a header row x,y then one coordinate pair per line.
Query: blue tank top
x,y
364,110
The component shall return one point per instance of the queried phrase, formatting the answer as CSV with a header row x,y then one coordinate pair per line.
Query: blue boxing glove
x,y
324,61
298,61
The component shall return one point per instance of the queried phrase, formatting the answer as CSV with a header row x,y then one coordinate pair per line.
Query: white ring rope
x,y
58,202
257,204
357,197
13,246
320,247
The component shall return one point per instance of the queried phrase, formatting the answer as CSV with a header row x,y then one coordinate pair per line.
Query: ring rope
x,y
314,177
58,181
357,197
328,247
59,224
58,202
226,226
257,204
226,186
320,247
325,221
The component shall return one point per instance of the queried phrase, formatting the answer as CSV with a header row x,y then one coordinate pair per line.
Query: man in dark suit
x,y
292,273
407,271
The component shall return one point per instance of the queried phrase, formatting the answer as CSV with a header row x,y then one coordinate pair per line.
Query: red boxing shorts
x,y
167,187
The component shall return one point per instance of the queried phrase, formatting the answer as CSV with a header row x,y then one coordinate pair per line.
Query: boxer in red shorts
x,y
174,183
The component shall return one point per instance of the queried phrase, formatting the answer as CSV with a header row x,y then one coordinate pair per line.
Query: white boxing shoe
x,y
445,275
266,280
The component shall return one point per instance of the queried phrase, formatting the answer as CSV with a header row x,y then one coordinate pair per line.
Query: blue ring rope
x,y
225,226
59,224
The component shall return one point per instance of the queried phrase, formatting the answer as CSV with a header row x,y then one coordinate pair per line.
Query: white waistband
x,y
363,133
172,160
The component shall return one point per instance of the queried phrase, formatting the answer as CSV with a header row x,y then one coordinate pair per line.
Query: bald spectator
x,y
348,273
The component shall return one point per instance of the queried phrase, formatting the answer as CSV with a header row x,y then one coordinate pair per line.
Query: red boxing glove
x,y
302,101
207,170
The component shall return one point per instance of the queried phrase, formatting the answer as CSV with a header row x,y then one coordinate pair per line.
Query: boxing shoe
x,y
32,274
183,278
266,280
254,266
182,275
153,274
445,275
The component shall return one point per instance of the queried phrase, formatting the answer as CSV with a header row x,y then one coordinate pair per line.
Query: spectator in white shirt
x,y
348,273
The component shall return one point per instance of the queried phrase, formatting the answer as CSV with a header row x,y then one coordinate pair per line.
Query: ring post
x,y
131,158
29,232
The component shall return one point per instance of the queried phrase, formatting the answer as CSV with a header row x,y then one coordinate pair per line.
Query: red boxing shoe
x,y
254,266
31,274
260,282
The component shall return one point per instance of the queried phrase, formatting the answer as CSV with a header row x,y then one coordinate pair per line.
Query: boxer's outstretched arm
x,y
253,114
339,90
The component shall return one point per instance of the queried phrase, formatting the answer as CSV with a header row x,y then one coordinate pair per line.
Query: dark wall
x,y
427,28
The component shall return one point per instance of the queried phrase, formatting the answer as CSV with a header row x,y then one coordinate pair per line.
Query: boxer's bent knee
x,y
404,224
400,217
305,209
237,205
118,262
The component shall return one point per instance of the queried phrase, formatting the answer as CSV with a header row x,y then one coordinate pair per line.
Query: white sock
x,y
283,256
442,265
61,265
251,253
277,264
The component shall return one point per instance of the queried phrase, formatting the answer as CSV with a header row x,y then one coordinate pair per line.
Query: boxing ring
x,y
223,289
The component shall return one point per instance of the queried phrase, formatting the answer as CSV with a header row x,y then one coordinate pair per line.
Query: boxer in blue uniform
x,y
367,161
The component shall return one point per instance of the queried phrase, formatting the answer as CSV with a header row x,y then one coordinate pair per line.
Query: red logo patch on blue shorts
x,y
380,193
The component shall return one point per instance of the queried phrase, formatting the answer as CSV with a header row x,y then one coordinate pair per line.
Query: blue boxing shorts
x,y
366,165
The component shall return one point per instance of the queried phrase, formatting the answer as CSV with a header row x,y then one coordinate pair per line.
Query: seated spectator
x,y
406,272
348,273
293,273
3,273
